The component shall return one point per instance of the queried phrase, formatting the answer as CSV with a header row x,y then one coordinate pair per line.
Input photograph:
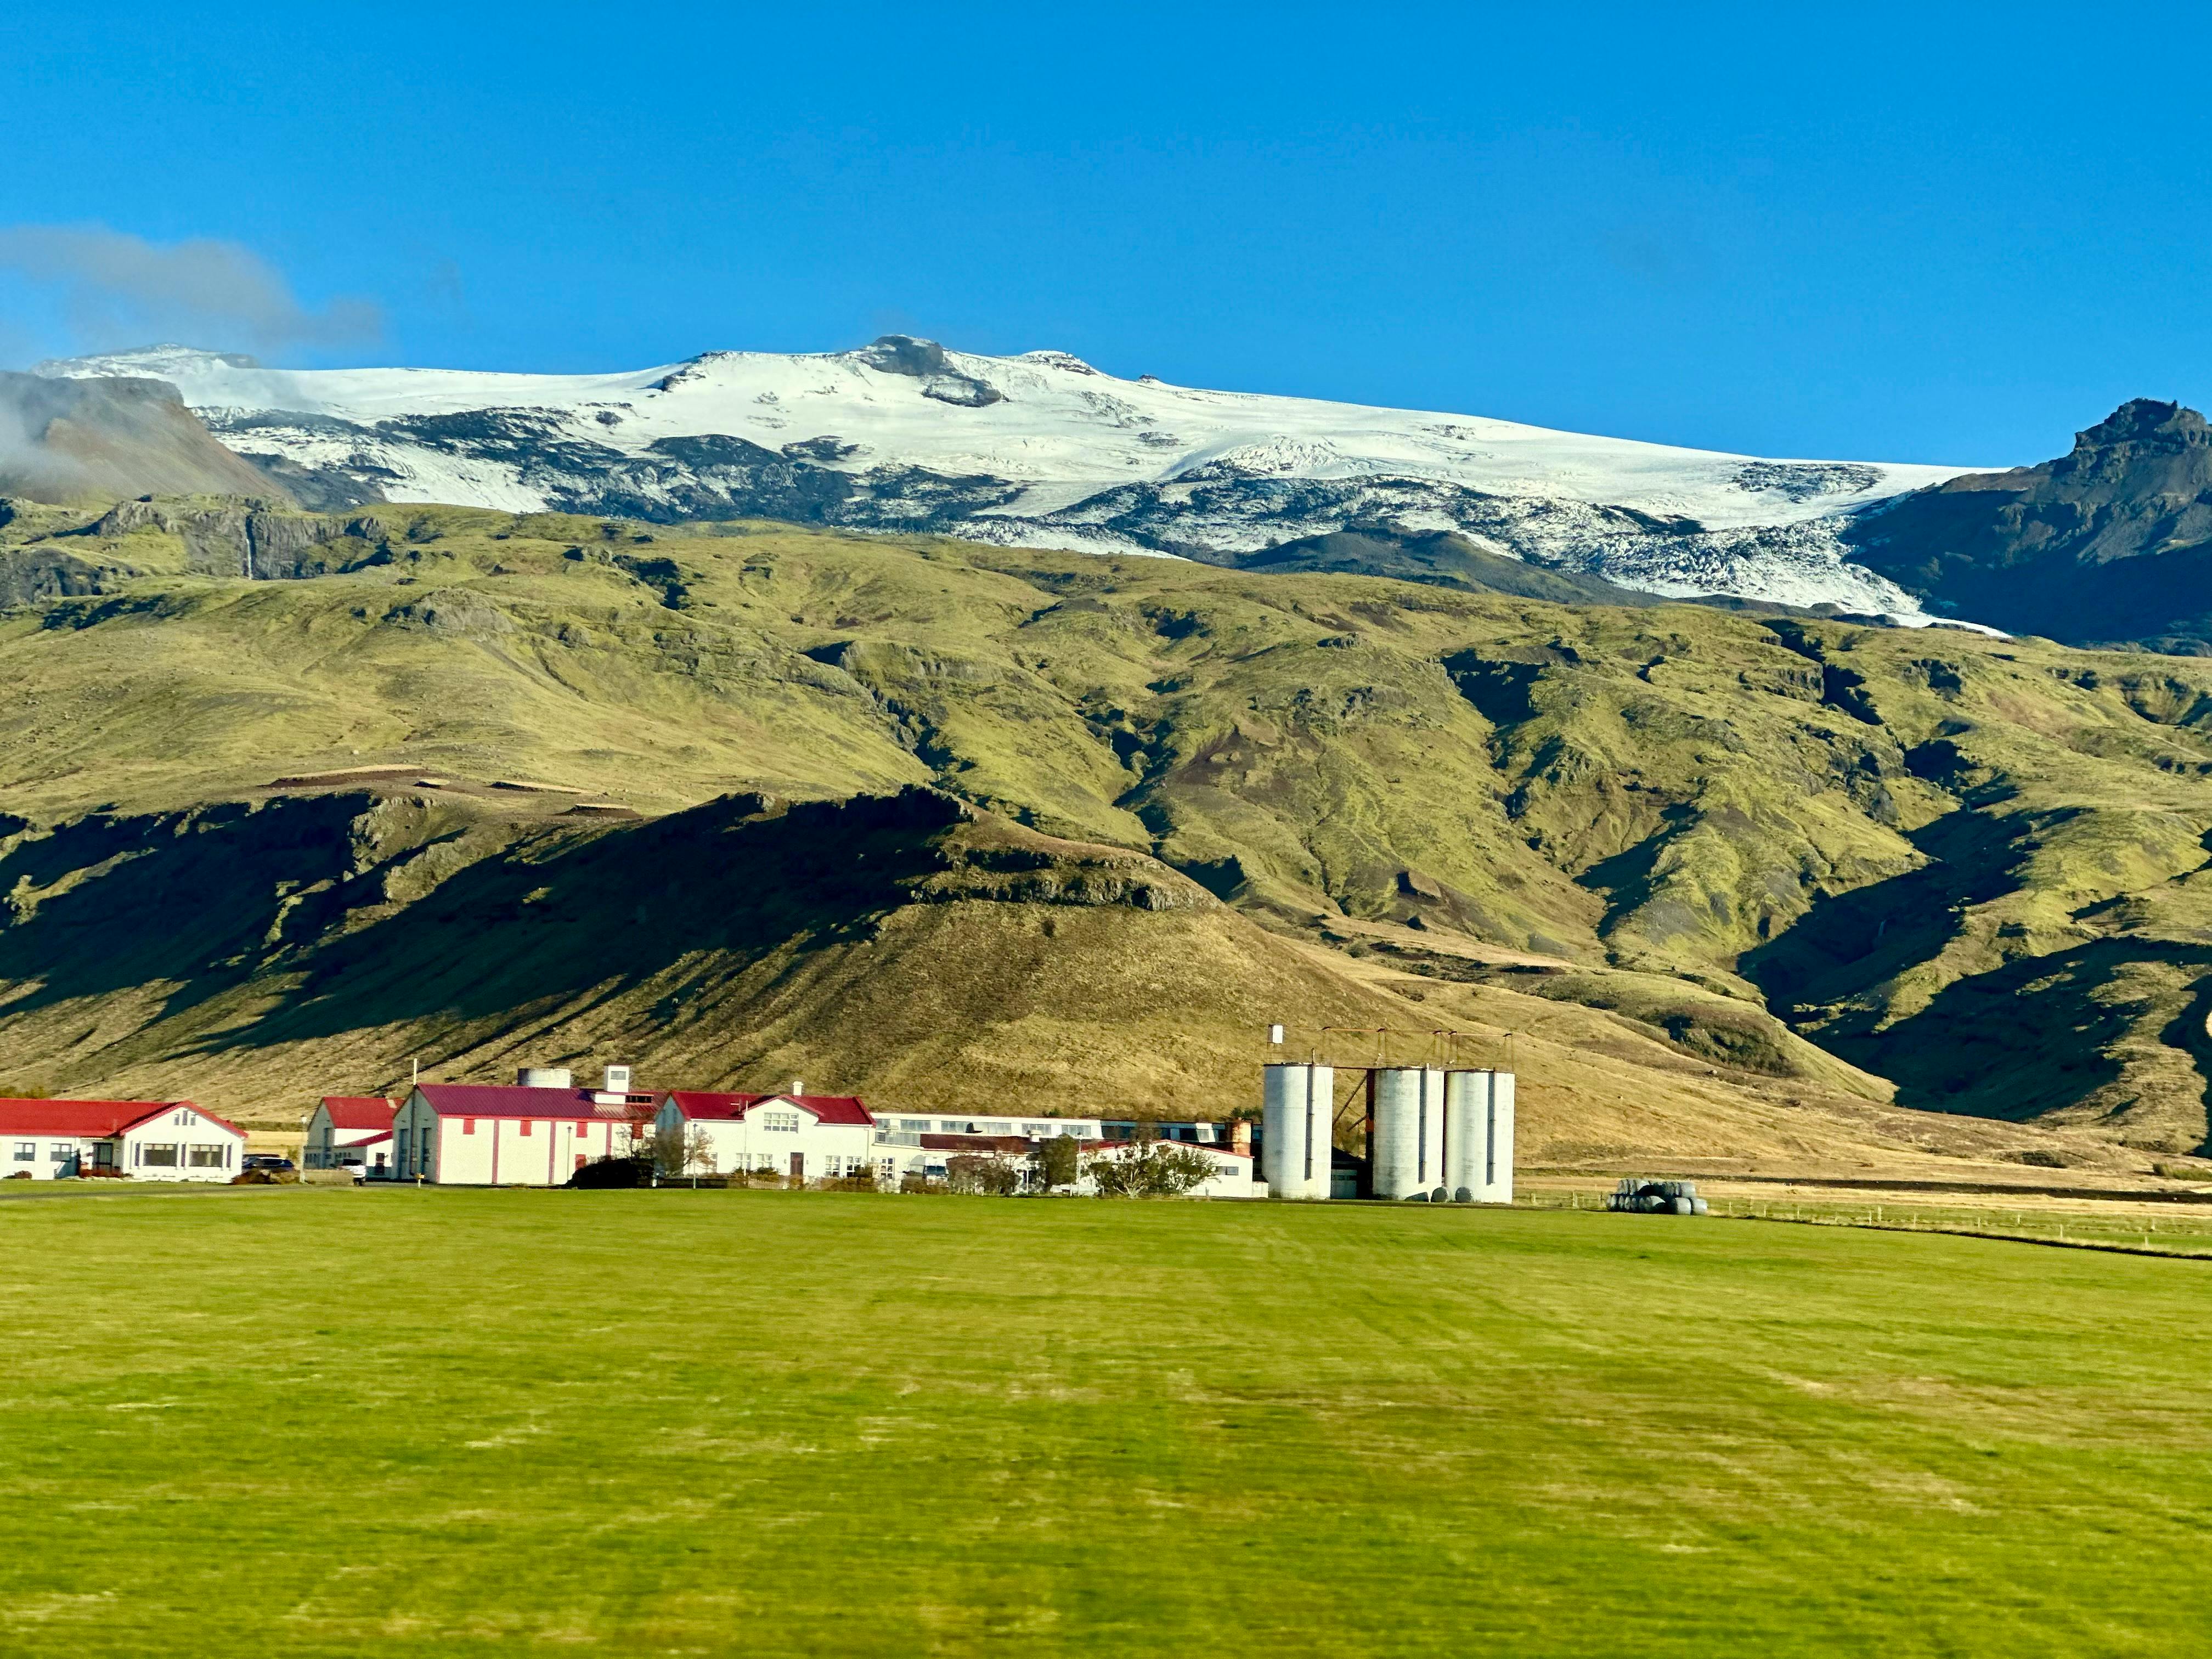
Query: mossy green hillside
x,y
1911,845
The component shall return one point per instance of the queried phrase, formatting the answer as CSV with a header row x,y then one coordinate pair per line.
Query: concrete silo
x,y
1409,1130
1479,1130
1298,1114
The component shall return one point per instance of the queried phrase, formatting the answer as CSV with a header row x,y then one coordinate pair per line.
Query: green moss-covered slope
x,y
1967,865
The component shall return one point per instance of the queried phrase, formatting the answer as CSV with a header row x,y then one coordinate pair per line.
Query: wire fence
x,y
2183,1235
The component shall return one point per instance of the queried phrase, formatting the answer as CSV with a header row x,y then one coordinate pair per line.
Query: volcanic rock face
x,y
2112,542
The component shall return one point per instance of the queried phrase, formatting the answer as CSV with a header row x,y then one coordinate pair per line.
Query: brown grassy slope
x,y
907,948
1964,863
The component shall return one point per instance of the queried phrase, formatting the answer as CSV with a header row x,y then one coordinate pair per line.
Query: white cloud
x,y
121,290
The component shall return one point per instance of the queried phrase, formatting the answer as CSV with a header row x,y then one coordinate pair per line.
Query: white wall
x,y
204,1150
42,1164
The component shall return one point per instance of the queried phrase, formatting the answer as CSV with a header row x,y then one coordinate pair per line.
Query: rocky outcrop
x,y
249,538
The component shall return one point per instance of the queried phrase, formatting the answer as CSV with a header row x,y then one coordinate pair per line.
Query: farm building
x,y
899,1129
806,1137
534,1133
342,1129
143,1139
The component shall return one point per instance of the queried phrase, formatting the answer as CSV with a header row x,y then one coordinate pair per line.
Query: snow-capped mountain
x,y
1036,450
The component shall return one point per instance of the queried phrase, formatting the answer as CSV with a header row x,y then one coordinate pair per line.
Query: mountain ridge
x,y
2110,541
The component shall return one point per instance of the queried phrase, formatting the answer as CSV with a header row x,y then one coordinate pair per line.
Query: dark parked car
x,y
267,1160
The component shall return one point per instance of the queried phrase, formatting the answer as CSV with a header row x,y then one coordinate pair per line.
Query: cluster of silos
x,y
1444,1136
1298,1115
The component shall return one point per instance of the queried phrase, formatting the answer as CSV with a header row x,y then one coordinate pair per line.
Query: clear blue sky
x,y
1932,233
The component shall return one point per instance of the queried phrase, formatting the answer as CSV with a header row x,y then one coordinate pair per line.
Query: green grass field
x,y
334,1422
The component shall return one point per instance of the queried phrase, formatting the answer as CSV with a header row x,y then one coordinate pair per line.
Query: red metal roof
x,y
97,1119
359,1111
514,1100
700,1106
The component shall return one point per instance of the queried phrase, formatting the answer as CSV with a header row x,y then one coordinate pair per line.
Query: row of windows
x,y
198,1155
970,1126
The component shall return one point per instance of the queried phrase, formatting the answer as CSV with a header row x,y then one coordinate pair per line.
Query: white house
x,y
470,1134
808,1137
343,1128
142,1140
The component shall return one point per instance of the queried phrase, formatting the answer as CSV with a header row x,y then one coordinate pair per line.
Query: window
x,y
164,1158
779,1121
994,1128
1036,1131
183,1120
61,1151
27,1152
920,1124
202,1155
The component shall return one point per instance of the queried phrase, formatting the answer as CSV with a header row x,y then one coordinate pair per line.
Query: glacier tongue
x,y
1040,449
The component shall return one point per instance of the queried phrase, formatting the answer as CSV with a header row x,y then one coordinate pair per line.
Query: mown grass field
x,y
333,1422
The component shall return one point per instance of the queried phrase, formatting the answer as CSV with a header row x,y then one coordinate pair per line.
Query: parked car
x,y
269,1161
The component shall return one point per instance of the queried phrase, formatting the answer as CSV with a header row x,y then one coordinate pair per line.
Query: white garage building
x,y
143,1139
470,1134
806,1137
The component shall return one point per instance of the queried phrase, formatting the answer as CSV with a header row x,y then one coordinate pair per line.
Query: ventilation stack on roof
x,y
616,1080
1297,1113
544,1077
1409,1131
1478,1136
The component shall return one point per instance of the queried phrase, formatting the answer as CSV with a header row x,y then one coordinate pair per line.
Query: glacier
x,y
1042,450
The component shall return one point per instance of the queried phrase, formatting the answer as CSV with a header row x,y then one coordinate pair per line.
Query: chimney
x,y
616,1081
1240,1136
797,1088
545,1076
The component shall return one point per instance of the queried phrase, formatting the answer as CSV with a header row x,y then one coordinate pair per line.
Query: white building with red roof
x,y
521,1134
351,1131
795,1134
142,1140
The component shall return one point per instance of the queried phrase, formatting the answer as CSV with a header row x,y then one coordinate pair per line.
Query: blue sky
x,y
1939,232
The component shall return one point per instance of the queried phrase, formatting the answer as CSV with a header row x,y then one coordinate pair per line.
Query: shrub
x,y
989,1174
1158,1168
1060,1161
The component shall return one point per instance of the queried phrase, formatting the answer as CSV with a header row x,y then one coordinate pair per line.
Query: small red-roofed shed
x,y
342,1128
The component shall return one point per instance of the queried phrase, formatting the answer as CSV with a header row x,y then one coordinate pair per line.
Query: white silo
x,y
1478,1129
1409,1130
1498,1143
1298,1114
